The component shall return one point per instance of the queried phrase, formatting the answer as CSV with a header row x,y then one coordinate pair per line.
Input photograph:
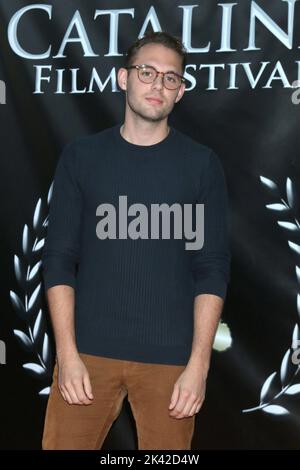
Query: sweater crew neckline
x,y
142,148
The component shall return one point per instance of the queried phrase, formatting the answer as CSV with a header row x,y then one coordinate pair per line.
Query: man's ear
x,y
122,78
180,92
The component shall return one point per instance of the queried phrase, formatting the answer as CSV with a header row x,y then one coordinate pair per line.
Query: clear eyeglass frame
x,y
171,80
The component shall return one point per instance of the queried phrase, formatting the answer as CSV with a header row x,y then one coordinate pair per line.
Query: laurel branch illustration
x,y
27,303
285,381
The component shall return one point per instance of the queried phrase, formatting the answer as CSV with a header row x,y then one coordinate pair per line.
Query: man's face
x,y
138,94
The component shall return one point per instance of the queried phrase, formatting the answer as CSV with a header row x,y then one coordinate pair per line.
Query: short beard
x,y
161,116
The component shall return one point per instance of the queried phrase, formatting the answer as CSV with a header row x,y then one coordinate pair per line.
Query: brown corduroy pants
x,y
149,388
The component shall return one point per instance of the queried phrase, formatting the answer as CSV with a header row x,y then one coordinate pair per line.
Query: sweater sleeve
x,y
61,250
211,263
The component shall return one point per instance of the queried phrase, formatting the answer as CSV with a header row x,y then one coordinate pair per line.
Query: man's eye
x,y
146,73
171,78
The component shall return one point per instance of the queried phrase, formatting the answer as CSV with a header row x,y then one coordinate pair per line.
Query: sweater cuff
x,y
211,286
58,271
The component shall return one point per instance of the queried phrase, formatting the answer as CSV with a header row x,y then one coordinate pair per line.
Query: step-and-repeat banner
x,y
58,68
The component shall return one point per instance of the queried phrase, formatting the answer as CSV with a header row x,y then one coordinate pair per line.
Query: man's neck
x,y
138,139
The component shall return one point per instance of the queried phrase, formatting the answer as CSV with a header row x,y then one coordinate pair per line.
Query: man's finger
x,y
174,397
62,393
87,387
80,393
193,409
181,403
187,407
67,395
72,392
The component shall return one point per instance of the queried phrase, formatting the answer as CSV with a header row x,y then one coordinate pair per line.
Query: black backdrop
x,y
254,129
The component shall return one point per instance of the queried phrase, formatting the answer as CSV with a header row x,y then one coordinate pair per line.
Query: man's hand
x,y
74,381
188,393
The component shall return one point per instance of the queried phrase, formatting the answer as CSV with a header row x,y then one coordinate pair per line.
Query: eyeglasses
x,y
148,74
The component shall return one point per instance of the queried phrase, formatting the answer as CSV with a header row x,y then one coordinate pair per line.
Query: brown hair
x,y
159,37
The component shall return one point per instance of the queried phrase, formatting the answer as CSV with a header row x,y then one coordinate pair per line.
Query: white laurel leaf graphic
x,y
45,351
293,390
266,387
37,325
287,225
34,270
298,273
44,391
23,338
34,296
295,337
27,302
39,244
223,338
276,410
298,304
18,304
295,247
50,194
18,269
37,215
269,183
25,240
284,368
290,364
277,207
34,367
290,192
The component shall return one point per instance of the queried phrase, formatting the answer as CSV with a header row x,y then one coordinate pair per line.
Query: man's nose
x,y
158,82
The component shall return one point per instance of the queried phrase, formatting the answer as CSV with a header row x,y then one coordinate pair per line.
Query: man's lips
x,y
154,100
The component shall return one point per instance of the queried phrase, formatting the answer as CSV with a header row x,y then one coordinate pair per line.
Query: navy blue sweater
x,y
134,296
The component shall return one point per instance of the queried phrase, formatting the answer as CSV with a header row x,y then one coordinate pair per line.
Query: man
x,y
134,314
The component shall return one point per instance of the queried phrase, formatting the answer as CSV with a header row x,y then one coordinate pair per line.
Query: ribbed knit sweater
x,y
134,297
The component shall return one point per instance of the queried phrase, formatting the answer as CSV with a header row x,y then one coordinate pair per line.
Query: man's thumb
x,y
88,387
